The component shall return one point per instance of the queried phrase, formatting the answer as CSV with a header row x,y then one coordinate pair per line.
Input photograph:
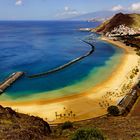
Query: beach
x,y
89,104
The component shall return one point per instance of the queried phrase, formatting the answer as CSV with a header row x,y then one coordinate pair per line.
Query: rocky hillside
x,y
130,20
17,126
114,128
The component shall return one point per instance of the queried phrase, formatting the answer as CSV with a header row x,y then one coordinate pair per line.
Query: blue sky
x,y
56,9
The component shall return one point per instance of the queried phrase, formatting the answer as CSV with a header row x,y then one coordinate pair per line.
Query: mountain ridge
x,y
104,14
130,20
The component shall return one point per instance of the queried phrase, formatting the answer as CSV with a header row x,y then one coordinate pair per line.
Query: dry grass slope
x,y
17,126
130,20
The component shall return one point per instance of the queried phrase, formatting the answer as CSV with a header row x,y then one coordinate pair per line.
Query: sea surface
x,y
38,46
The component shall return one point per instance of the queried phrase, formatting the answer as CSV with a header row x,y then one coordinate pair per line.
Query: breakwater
x,y
10,80
67,64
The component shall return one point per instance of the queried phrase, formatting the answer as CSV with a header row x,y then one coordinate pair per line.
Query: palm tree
x,y
60,116
56,115
71,113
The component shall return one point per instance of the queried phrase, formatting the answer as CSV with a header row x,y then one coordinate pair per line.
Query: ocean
x,y
38,46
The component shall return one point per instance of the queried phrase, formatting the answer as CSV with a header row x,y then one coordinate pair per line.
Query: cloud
x,y
18,2
117,8
66,8
135,7
67,12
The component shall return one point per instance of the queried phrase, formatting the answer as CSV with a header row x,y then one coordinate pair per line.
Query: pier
x,y
9,81
67,64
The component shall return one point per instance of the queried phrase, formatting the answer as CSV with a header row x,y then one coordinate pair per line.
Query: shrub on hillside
x,y
67,125
113,110
88,134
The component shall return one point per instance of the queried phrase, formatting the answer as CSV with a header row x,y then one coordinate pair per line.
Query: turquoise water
x,y
38,46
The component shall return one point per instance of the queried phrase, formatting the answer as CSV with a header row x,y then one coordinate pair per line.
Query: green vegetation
x,y
134,72
67,125
113,110
133,42
88,134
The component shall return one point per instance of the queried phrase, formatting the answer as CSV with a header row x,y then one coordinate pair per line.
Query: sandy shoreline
x,y
90,104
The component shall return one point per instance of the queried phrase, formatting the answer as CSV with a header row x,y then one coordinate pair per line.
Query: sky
x,y
59,9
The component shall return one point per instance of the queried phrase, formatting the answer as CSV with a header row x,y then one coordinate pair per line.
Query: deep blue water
x,y
38,46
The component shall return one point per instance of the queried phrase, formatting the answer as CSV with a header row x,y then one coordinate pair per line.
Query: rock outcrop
x,y
17,126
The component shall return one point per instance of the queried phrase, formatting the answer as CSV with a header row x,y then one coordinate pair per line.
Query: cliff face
x,y
130,20
19,126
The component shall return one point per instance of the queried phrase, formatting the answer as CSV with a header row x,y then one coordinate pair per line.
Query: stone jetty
x,y
9,81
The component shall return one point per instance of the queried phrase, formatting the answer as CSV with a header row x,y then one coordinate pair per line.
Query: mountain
x,y
18,126
130,20
96,15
